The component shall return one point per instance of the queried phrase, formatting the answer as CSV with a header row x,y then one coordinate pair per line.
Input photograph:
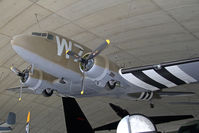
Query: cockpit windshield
x,y
44,35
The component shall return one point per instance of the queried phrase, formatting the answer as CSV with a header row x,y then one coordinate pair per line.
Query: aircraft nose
x,y
20,43
18,40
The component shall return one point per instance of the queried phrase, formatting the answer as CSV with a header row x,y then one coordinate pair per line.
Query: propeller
x,y
82,84
86,62
28,123
23,76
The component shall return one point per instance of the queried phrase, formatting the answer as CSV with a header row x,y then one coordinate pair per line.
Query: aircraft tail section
x,y
11,120
7,126
75,119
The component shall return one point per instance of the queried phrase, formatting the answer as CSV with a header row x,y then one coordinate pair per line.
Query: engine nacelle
x,y
100,71
38,81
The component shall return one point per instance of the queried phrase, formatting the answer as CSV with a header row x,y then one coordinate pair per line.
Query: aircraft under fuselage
x,y
60,64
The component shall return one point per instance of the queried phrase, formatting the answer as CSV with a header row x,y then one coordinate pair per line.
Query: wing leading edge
x,y
164,75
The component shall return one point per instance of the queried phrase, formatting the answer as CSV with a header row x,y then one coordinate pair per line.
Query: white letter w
x,y
60,46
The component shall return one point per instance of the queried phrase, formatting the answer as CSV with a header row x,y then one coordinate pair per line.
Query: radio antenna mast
x,y
36,16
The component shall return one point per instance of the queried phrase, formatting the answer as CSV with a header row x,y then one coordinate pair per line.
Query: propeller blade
x,y
73,55
28,118
30,68
82,84
28,123
119,111
99,49
20,93
15,70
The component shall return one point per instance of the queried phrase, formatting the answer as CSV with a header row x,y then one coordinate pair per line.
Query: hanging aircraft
x,y
76,121
155,119
8,125
61,65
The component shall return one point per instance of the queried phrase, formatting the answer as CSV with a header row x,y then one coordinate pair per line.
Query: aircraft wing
x,y
164,75
25,90
155,119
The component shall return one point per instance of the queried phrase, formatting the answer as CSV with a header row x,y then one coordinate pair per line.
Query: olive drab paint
x,y
68,46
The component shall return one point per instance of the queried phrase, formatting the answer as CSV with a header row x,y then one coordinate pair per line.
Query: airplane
x,y
76,120
155,119
59,64
8,125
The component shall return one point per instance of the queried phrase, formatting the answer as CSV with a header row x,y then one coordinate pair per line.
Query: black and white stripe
x,y
146,96
169,76
155,79
155,76
148,80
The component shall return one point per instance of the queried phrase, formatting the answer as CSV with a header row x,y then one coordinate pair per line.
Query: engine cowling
x,y
38,81
99,71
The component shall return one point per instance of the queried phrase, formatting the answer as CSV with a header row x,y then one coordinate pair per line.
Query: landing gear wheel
x,y
111,84
151,105
47,92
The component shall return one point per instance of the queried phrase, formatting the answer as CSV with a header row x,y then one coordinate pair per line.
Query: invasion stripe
x,y
169,76
175,70
148,80
136,81
158,78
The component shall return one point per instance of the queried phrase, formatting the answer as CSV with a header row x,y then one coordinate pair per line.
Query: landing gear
x,y
111,84
47,92
151,105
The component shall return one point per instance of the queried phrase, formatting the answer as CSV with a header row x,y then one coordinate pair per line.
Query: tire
x,y
111,84
47,92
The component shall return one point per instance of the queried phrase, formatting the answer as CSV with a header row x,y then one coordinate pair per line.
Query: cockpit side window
x,y
44,35
50,37
36,34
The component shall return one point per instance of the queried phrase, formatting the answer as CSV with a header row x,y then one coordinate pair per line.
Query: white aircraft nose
x,y
18,39
19,43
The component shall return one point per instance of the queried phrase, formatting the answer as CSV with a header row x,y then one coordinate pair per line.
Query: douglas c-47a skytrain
x,y
73,70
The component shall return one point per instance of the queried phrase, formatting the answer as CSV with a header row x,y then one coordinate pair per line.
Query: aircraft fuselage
x,y
47,52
